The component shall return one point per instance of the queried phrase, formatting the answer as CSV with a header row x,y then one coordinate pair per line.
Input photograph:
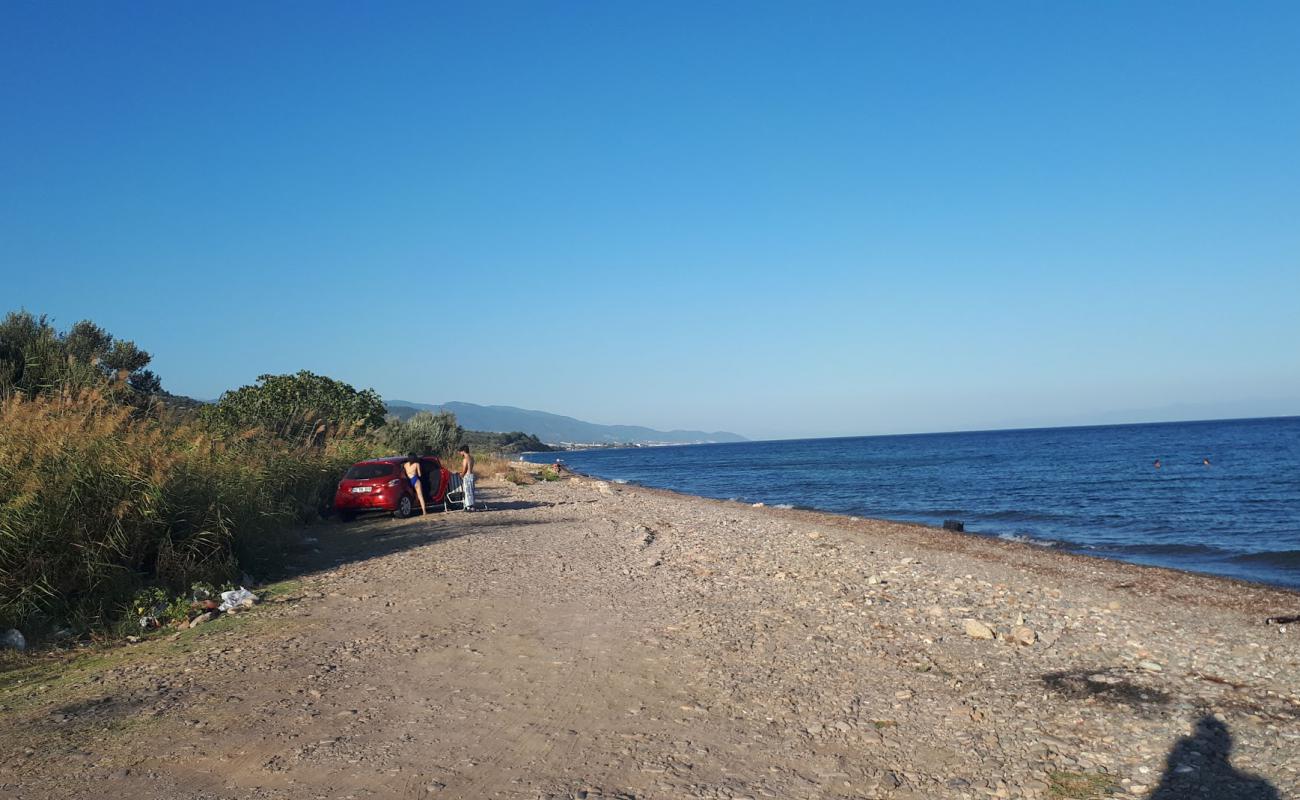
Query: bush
x,y
423,434
302,408
506,443
36,358
97,501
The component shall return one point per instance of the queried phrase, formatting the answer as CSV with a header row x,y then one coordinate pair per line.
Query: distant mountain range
x,y
554,428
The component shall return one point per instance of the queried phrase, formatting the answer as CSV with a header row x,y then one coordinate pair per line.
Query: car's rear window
x,y
360,472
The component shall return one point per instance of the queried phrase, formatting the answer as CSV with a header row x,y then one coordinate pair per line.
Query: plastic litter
x,y
237,598
13,638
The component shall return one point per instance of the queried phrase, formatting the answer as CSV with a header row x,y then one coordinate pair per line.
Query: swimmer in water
x,y
1157,463
1205,461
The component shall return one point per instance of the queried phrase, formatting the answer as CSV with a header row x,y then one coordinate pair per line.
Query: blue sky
x,y
779,219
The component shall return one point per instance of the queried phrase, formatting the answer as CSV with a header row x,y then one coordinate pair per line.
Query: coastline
x,y
1188,544
584,639
1182,584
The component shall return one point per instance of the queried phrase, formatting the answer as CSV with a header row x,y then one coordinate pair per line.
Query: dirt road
x,y
588,640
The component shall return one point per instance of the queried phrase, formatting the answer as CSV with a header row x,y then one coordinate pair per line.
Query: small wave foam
x,y
783,505
1026,539
620,480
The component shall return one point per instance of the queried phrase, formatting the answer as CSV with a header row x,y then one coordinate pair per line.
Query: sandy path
x,y
586,640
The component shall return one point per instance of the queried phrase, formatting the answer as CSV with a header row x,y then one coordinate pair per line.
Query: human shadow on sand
x,y
1198,767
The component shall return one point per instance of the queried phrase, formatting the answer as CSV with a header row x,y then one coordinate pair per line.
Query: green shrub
x,y
303,408
36,358
97,501
423,434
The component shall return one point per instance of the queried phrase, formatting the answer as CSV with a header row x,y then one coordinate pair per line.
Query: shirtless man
x,y
413,474
467,476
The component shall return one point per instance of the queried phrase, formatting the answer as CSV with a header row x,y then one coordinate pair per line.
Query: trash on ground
x,y
237,598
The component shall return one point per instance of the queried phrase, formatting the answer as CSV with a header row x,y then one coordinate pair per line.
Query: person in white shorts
x,y
467,476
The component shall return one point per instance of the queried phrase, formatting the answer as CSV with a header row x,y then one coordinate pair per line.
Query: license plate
x,y
361,489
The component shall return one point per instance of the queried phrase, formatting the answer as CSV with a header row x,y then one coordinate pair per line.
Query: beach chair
x,y
456,495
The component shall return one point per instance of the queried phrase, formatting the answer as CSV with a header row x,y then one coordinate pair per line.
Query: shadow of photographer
x,y
1198,767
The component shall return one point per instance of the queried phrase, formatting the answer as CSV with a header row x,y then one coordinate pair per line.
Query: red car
x,y
381,485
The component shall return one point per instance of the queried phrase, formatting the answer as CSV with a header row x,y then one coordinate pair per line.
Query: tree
x,y
506,443
305,407
35,358
424,433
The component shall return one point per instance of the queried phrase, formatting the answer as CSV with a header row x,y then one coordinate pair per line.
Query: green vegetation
x,y
423,434
304,407
104,493
96,501
36,358
505,443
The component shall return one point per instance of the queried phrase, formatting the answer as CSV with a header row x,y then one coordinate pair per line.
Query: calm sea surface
x,y
1088,490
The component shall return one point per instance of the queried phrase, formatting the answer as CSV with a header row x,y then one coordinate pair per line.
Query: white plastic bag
x,y
237,598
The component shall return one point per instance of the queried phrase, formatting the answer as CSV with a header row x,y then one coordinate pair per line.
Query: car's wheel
x,y
347,516
403,509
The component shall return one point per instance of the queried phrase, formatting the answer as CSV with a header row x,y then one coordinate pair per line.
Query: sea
x,y
1224,498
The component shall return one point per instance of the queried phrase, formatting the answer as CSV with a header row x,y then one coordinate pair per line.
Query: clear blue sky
x,y
779,219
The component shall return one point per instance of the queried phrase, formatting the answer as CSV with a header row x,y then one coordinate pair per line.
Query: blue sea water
x,y
1092,490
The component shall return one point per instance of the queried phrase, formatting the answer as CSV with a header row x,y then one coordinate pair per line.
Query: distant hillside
x,y
556,429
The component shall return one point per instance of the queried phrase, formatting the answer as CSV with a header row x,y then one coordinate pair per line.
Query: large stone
x,y
1023,634
977,630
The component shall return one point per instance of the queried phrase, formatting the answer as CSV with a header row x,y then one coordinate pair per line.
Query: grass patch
x,y
284,588
1081,785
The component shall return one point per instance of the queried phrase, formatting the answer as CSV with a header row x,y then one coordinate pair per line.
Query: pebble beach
x,y
583,639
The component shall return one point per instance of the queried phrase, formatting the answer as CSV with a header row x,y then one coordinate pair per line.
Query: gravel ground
x,y
589,640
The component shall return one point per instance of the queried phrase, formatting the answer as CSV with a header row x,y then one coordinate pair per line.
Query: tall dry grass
x,y
97,501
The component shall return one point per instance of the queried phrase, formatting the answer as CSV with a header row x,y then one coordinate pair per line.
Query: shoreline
x,y
1048,545
582,639
935,536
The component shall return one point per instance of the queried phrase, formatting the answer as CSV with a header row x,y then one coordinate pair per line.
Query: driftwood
x,y
1282,620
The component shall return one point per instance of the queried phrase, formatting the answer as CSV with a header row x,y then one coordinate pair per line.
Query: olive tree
x,y
35,357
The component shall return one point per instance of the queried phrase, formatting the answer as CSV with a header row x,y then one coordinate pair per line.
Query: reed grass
x,y
97,500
